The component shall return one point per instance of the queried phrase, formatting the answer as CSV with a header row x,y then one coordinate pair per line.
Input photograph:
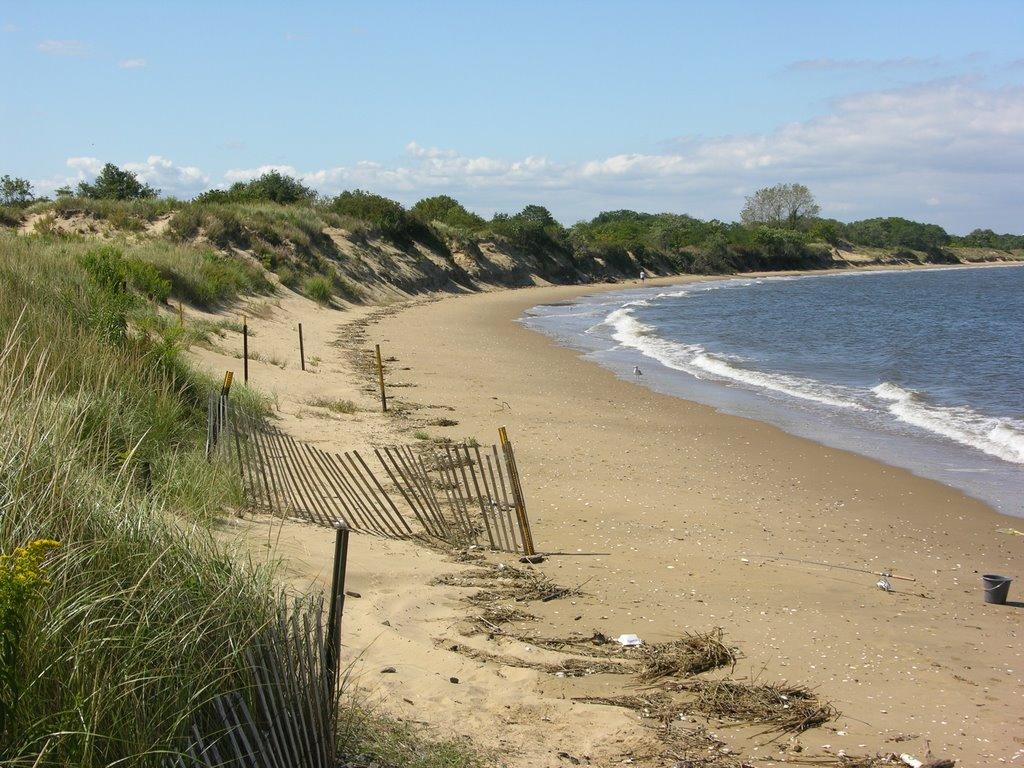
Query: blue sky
x,y
909,108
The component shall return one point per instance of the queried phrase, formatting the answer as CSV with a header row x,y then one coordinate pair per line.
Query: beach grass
x,y
119,635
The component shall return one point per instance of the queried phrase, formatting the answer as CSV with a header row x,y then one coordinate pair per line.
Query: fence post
x,y
337,604
302,349
380,379
517,493
245,349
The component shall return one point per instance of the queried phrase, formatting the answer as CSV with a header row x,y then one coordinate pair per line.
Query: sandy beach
x,y
673,517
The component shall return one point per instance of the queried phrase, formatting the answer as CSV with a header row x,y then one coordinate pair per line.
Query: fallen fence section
x,y
462,494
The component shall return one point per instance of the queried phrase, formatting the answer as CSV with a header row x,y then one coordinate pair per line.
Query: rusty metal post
x,y
380,379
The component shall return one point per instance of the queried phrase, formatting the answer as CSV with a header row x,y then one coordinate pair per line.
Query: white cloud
x,y
170,179
84,166
9,27
950,151
131,63
63,48
157,171
248,174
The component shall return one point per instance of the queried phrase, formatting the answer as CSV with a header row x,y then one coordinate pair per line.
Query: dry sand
x,y
666,509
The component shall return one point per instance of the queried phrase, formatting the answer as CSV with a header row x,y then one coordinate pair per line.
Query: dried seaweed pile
x,y
490,619
690,655
778,706
568,667
497,583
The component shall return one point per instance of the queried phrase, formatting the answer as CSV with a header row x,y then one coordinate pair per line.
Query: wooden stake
x,y
228,378
517,493
380,379
302,349
245,349
337,605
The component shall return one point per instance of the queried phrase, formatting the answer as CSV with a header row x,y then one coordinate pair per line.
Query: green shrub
x,y
10,216
533,229
335,406
387,216
288,276
271,187
318,288
447,210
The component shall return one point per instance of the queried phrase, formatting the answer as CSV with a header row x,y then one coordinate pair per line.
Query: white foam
x,y
999,437
697,361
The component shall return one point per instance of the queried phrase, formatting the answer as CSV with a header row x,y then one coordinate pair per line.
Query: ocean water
x,y
922,369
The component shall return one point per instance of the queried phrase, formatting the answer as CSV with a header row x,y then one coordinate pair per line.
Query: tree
x,y
113,183
15,191
784,205
537,215
828,231
64,191
446,210
272,187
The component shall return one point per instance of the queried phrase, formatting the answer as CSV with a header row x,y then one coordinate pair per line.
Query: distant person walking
x,y
643,277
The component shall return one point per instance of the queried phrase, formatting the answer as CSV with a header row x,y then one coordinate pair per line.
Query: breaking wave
x,y
697,361
1000,437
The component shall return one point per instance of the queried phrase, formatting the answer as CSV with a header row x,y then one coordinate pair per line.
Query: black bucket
x,y
996,588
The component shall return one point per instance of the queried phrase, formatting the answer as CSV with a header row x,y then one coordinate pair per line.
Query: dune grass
x,y
141,617
197,275
138,620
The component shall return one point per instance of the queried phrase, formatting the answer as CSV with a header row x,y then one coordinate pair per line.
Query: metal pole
x,y
302,349
337,604
245,349
380,379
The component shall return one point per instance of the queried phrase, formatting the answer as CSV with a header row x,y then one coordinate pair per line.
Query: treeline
x,y
779,228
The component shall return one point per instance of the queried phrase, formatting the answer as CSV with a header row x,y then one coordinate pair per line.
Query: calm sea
x,y
922,369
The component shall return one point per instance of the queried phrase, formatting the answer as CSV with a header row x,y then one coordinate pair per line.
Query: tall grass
x,y
197,275
142,620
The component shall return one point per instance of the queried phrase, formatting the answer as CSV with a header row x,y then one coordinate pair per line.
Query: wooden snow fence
x,y
459,493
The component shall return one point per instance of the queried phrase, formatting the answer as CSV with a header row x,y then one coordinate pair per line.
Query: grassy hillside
x,y
360,247
120,618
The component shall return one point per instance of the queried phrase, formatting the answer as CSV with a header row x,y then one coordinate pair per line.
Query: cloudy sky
x,y
911,108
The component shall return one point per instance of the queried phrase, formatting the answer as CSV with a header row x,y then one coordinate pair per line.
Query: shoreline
x,y
679,511
892,448
673,488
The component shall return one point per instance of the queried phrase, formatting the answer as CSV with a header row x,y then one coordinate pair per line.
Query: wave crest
x,y
999,437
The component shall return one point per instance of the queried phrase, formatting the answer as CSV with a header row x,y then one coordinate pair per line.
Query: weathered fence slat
x,y
456,493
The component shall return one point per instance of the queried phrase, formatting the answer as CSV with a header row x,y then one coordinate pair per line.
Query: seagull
x,y
637,372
